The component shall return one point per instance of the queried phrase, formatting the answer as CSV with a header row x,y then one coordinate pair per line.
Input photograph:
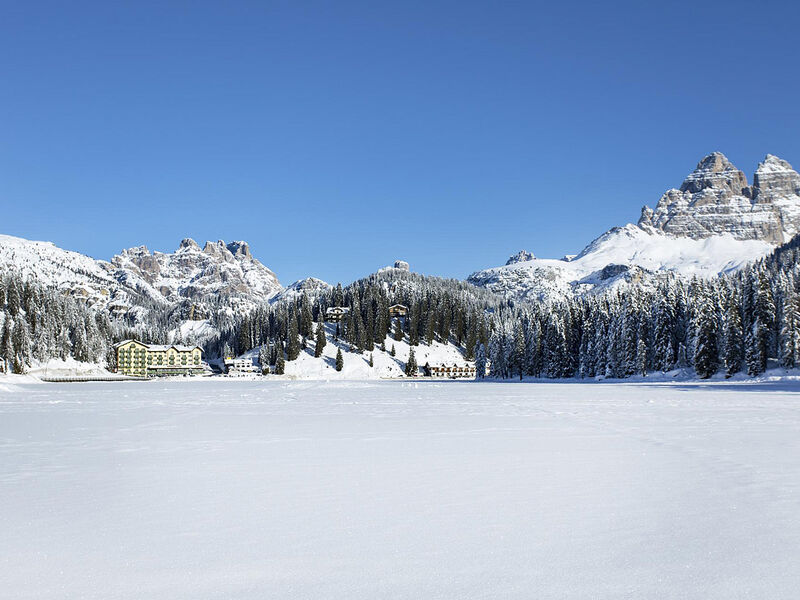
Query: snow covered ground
x,y
399,489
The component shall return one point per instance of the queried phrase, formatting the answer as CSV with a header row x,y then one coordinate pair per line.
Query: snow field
x,y
399,489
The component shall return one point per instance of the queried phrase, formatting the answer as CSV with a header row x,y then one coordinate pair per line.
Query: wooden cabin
x,y
334,314
398,310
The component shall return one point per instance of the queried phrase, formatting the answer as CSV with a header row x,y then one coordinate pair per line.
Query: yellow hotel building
x,y
149,360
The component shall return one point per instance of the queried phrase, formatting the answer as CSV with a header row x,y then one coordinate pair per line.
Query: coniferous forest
x,y
745,322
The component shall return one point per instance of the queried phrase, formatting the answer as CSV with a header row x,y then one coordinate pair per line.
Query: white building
x,y
236,366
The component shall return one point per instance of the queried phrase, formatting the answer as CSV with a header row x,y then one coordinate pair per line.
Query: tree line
x,y
740,322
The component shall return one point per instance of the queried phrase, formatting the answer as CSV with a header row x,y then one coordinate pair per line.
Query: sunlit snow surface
x,y
232,489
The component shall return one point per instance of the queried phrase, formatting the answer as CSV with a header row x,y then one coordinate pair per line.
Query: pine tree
x,y
480,362
306,318
411,365
392,351
788,330
519,350
6,345
472,339
733,342
263,359
398,330
705,333
430,326
338,295
292,343
321,340
13,299
280,362
339,360
371,360
413,325
641,358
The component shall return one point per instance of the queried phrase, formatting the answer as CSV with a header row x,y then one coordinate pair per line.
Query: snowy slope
x,y
75,273
622,254
310,286
356,365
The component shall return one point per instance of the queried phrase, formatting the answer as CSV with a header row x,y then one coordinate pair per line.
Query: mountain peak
x,y
777,183
772,163
715,171
188,244
239,248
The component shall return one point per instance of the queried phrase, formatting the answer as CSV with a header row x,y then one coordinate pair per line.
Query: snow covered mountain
x,y
136,276
217,271
715,222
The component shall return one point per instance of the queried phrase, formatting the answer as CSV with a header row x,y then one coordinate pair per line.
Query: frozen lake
x,y
232,489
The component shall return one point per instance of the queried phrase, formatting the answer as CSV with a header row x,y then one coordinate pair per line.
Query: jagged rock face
x,y
716,199
521,256
218,270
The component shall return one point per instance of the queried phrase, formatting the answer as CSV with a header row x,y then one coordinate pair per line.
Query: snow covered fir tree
x,y
734,309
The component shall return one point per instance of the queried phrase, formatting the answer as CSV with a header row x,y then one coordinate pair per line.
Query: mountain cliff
x,y
716,199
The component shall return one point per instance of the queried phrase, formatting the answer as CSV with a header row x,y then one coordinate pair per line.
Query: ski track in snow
x,y
399,489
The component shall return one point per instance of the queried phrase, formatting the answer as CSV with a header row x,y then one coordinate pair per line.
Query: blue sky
x,y
336,137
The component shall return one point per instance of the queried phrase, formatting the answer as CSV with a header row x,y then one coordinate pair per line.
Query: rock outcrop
x,y
521,256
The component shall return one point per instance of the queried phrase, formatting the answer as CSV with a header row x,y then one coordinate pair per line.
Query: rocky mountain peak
x,y
521,256
188,244
239,249
715,171
715,199
218,250
776,176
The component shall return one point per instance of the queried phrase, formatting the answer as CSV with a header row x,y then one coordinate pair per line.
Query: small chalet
x,y
398,310
336,313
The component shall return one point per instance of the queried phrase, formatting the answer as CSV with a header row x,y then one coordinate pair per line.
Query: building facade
x,y
450,371
137,359
237,366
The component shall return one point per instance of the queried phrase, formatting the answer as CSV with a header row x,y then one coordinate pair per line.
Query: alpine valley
x,y
530,317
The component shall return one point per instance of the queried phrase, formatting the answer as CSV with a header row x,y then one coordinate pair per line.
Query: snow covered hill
x,y
714,223
356,364
76,274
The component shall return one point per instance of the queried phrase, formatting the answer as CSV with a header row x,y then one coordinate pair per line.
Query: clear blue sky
x,y
338,136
